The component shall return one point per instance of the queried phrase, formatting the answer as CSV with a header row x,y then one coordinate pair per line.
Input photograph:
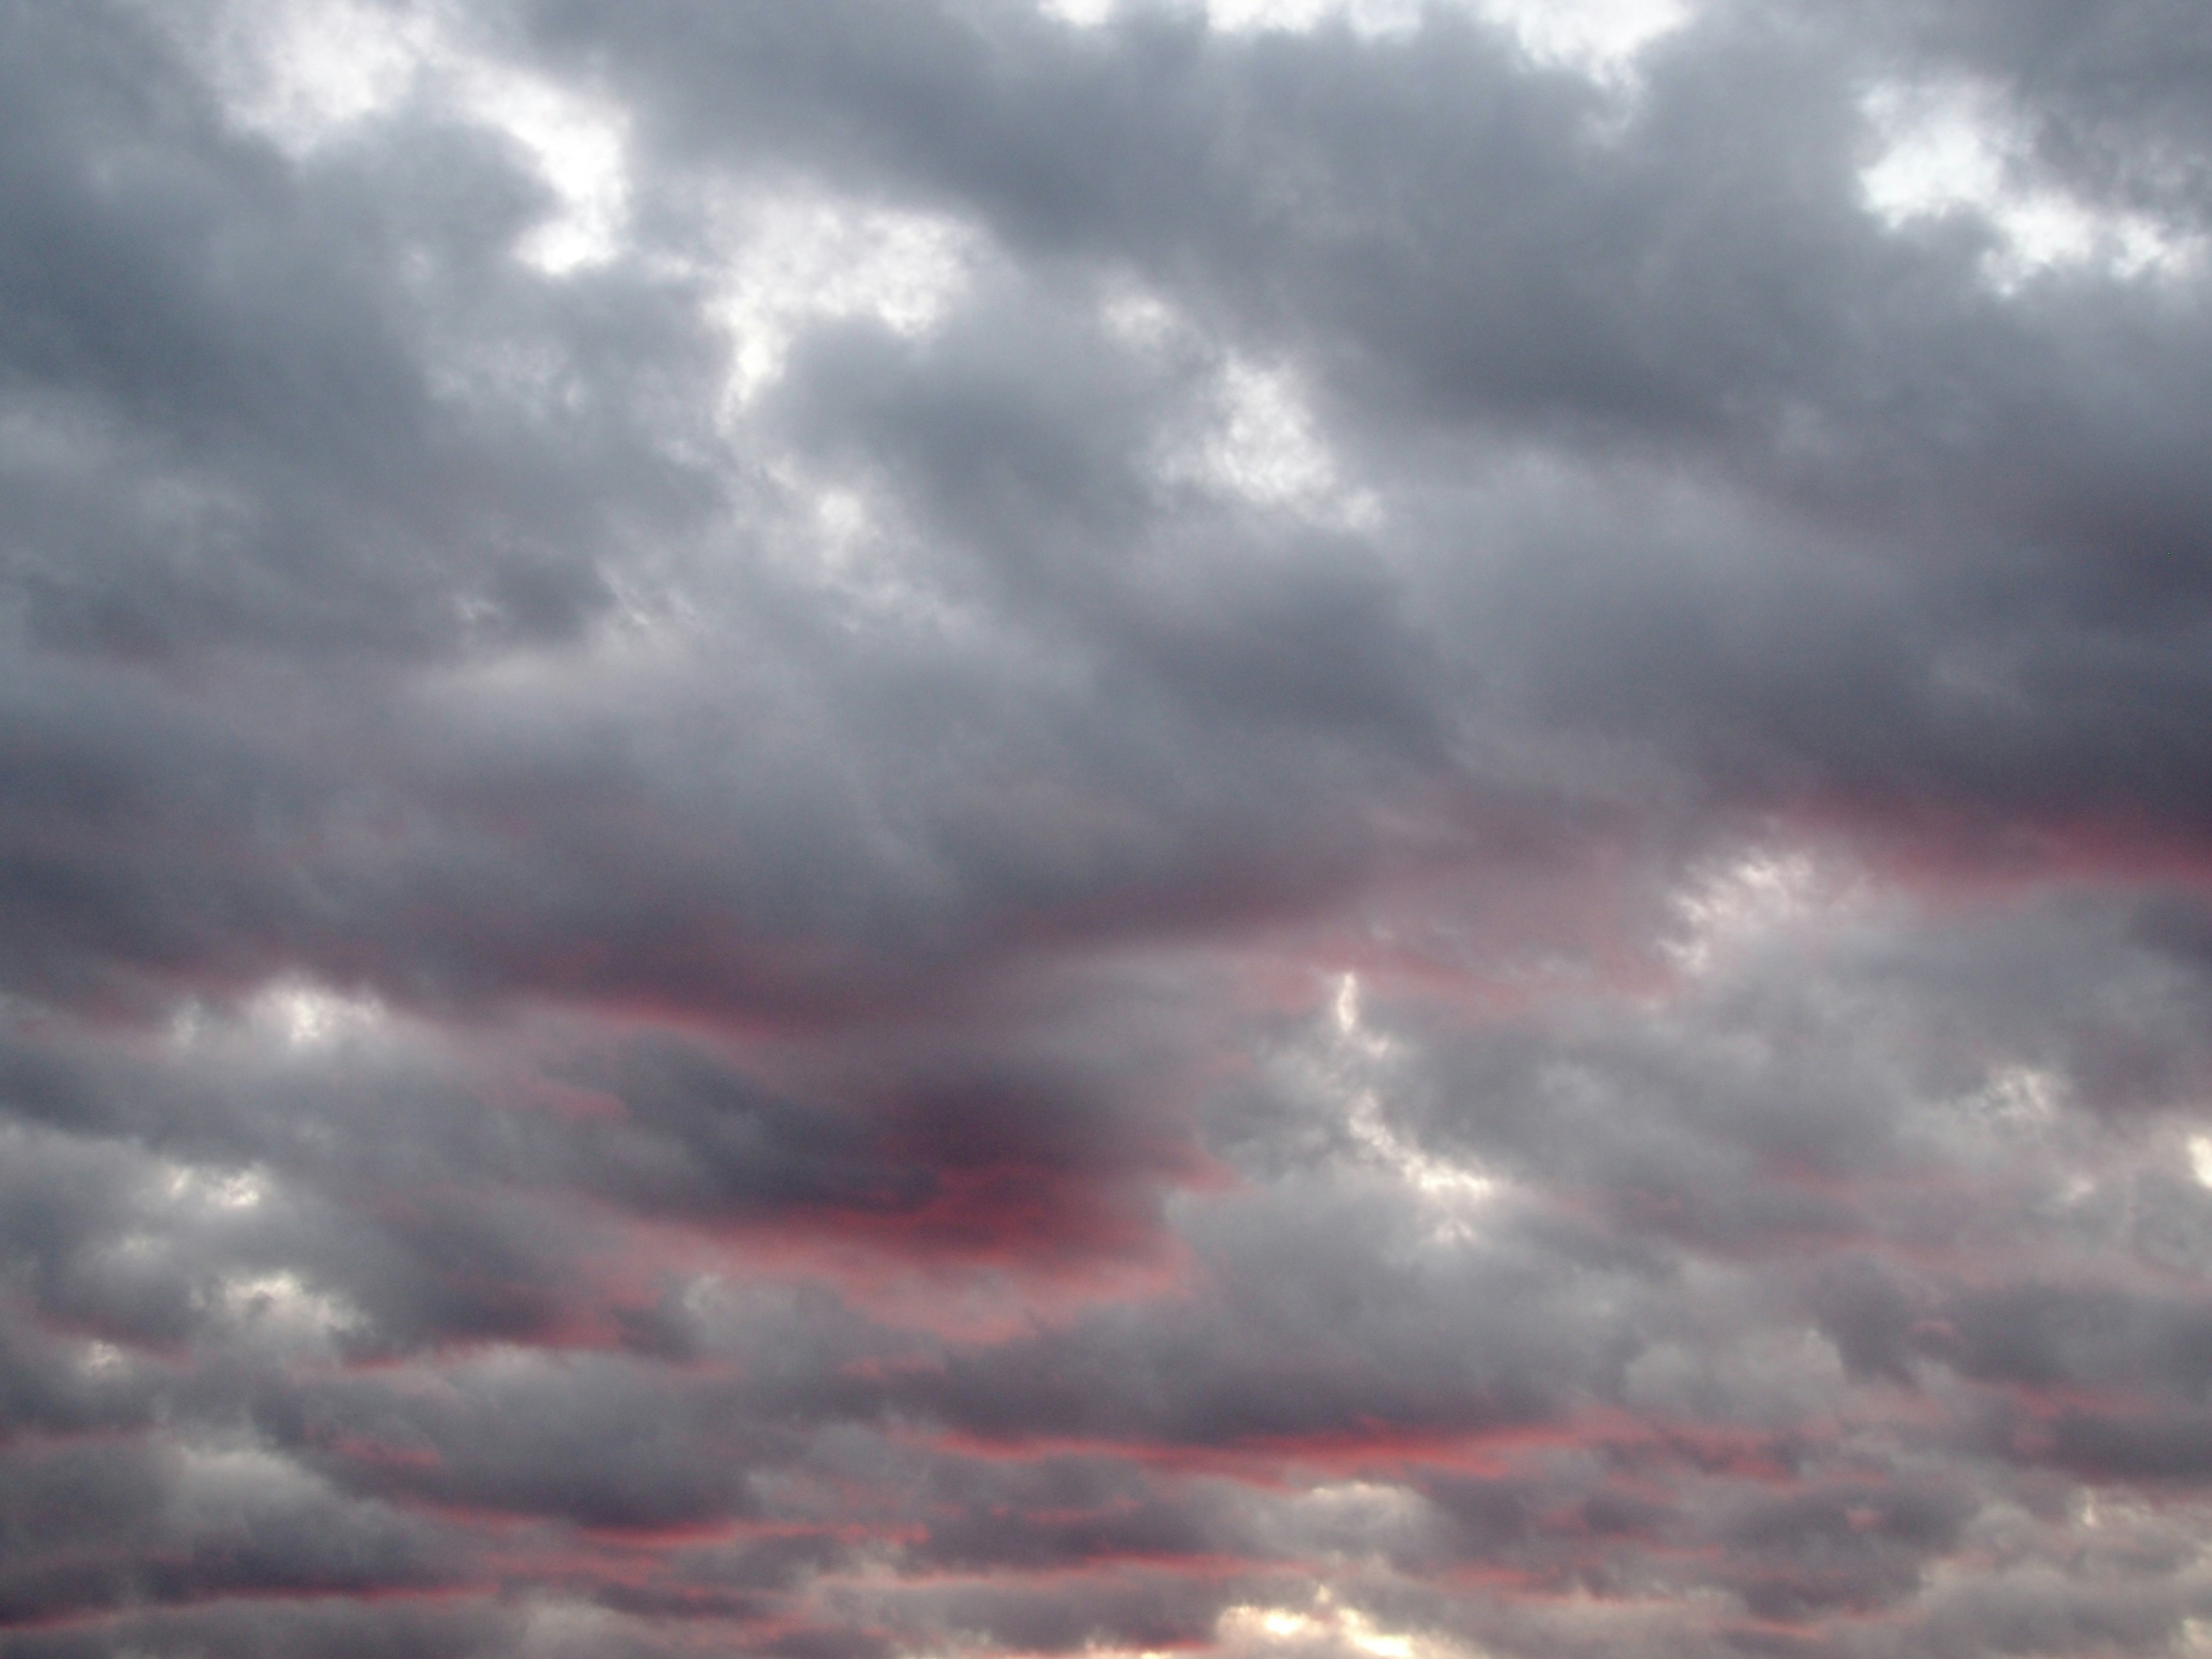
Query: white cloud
x,y
1728,907
1326,1626
283,1309
1955,146
1260,444
579,146
303,72
221,1190
299,73
1598,38
300,1014
1451,1193
801,260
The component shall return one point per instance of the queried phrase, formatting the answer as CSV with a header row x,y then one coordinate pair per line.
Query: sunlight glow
x,y
1329,1623
2200,1159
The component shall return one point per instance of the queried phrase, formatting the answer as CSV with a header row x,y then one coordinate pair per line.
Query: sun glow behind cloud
x,y
1327,1626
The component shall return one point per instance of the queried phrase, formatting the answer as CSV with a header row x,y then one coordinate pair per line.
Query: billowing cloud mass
x,y
1277,829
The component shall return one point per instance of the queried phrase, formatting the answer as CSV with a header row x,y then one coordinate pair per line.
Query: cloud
x,y
870,829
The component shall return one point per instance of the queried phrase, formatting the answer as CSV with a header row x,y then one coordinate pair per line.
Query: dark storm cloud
x,y
1303,840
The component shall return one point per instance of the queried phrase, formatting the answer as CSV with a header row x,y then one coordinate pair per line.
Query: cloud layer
x,y
1308,831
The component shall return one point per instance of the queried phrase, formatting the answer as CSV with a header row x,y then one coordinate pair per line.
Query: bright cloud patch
x,y
305,74
1736,905
221,1190
307,1016
578,147
1600,38
1261,445
1357,1069
2200,1159
281,1310
1326,1627
1957,147
799,261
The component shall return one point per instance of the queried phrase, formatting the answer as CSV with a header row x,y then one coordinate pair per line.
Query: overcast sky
x,y
1280,829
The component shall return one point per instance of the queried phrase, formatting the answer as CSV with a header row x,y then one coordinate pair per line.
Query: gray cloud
x,y
854,829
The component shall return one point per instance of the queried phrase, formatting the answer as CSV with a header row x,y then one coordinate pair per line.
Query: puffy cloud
x,y
869,829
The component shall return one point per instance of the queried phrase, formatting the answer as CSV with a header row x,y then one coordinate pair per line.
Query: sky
x,y
984,828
